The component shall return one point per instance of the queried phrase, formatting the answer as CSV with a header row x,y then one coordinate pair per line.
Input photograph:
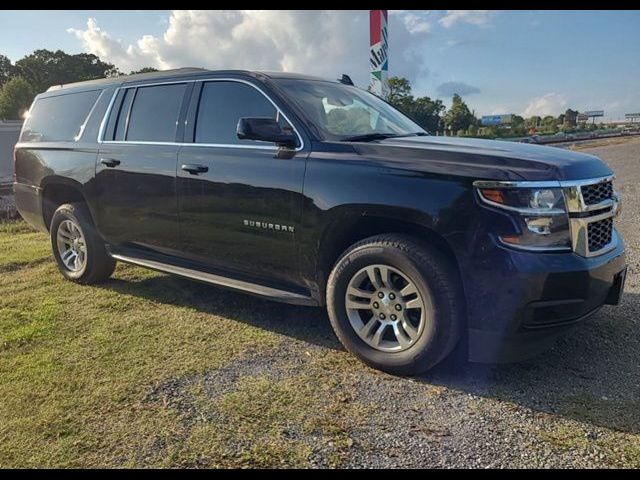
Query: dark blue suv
x,y
316,192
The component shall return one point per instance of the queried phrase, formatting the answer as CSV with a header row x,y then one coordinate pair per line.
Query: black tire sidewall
x,y
76,215
430,347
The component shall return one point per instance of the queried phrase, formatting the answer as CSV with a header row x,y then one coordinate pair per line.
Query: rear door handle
x,y
194,169
109,162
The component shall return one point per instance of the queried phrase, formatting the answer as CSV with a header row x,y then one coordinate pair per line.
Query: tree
x,y
518,126
517,120
15,98
570,117
399,90
6,70
533,122
44,68
459,117
143,70
549,124
422,110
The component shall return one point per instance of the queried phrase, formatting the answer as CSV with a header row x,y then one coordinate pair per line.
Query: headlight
x,y
540,214
525,200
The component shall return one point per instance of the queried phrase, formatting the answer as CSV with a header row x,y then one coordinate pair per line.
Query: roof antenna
x,y
346,79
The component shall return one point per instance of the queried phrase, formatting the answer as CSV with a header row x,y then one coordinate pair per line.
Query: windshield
x,y
340,112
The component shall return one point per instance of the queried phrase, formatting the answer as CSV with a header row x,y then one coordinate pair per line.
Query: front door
x,y
239,201
136,167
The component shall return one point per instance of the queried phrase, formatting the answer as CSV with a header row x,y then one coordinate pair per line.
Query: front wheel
x,y
396,304
78,249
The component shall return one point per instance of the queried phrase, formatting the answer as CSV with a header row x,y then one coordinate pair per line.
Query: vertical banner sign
x,y
378,52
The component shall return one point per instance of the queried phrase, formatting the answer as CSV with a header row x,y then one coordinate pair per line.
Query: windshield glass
x,y
343,111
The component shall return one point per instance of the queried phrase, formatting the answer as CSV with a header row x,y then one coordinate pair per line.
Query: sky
x,y
532,62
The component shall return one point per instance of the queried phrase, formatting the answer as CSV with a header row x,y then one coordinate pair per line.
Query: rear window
x,y
154,113
58,118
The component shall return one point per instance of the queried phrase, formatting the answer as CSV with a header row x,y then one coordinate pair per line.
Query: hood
x,y
484,159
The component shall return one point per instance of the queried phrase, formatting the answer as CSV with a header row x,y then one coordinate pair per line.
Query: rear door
x,y
242,210
136,166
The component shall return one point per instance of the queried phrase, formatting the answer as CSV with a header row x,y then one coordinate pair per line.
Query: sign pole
x,y
378,52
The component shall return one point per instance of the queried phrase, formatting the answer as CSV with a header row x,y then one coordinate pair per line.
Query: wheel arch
x,y
350,226
57,191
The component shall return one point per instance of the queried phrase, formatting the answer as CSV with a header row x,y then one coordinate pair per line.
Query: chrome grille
x,y
592,205
599,234
597,193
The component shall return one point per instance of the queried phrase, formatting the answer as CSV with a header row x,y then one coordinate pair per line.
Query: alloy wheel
x,y
385,308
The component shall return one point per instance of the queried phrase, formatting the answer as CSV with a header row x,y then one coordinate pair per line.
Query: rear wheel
x,y
396,304
78,249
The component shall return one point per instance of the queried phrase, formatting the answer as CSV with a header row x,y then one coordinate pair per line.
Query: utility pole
x,y
378,52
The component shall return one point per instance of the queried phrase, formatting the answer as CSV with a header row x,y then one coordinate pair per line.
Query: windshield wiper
x,y
367,137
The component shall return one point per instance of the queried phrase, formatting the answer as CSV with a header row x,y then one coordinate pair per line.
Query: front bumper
x,y
520,302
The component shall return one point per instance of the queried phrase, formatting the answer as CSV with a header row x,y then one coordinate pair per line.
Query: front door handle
x,y
194,169
109,162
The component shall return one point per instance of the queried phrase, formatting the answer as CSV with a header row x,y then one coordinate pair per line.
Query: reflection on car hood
x,y
490,159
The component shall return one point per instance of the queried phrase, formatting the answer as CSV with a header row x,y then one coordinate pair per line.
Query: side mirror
x,y
266,130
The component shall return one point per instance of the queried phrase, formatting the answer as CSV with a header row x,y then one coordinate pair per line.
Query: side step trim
x,y
239,285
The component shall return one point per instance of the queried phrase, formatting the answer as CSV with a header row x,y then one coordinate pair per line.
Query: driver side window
x,y
222,104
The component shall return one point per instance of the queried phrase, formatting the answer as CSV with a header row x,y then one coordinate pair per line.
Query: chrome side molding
x,y
233,284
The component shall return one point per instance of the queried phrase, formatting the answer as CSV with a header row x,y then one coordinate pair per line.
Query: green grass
x,y
78,363
20,245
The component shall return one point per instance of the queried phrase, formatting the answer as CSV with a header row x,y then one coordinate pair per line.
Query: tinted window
x,y
59,118
154,113
222,104
122,114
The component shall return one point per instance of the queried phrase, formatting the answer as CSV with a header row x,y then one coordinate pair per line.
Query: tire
x,y
94,265
435,328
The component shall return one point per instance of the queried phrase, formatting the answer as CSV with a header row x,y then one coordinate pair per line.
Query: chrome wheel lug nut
x,y
382,316
376,304
392,296
398,307
393,317
380,295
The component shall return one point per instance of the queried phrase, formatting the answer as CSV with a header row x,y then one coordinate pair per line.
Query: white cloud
x,y
100,43
416,23
549,104
325,43
473,17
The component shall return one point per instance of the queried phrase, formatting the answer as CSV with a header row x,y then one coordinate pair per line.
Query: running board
x,y
239,285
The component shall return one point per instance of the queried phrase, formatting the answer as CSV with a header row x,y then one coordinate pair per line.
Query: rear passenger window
x,y
154,113
121,125
58,118
222,104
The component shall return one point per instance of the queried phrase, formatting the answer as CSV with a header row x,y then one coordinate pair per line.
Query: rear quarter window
x,y
58,118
